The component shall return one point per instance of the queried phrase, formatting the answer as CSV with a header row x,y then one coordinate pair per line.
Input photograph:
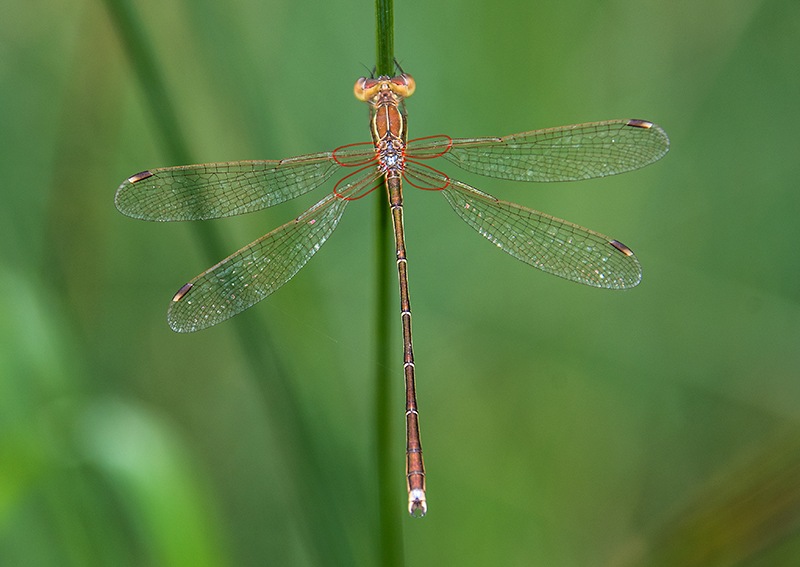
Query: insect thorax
x,y
391,159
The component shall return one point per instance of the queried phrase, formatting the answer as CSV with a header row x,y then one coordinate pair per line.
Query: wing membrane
x,y
254,272
545,242
260,268
566,153
215,190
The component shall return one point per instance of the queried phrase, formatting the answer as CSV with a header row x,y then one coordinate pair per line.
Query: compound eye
x,y
365,88
403,85
411,84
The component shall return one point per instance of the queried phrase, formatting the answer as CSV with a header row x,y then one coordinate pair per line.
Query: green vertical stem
x,y
384,16
390,508
390,485
310,500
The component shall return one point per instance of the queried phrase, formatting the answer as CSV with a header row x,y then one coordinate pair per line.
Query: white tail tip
x,y
417,505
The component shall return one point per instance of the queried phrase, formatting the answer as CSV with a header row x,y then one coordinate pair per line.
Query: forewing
x,y
566,153
215,190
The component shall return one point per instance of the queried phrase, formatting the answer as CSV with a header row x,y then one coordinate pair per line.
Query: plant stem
x,y
391,536
384,15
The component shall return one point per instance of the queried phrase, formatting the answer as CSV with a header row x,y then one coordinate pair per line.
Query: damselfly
x,y
567,153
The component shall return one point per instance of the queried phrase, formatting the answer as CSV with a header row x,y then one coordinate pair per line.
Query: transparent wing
x,y
550,244
566,153
260,268
255,271
214,190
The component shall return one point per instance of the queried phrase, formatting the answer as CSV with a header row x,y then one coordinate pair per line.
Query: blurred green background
x,y
562,425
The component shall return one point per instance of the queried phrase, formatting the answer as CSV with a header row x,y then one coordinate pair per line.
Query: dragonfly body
x,y
567,153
